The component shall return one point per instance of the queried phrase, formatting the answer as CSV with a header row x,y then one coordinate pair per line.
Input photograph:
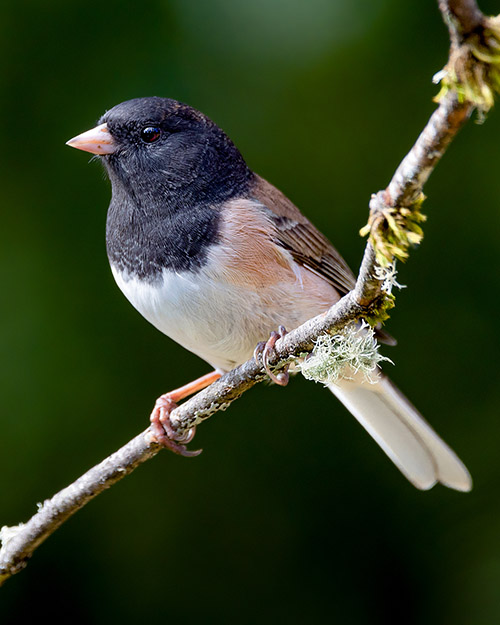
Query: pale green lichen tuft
x,y
387,275
393,230
344,355
473,70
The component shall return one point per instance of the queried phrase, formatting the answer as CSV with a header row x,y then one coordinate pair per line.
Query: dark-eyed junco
x,y
217,258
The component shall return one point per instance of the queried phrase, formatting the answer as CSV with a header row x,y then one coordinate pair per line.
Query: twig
x,y
463,18
399,202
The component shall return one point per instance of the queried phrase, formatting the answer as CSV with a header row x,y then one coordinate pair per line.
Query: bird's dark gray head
x,y
160,150
171,170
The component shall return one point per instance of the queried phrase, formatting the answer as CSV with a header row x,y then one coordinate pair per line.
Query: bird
x,y
218,259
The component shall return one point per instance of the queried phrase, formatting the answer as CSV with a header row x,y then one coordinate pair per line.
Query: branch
x,y
473,68
393,226
463,18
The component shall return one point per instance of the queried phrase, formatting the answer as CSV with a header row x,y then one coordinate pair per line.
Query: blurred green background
x,y
275,522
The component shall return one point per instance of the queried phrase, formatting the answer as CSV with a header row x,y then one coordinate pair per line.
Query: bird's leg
x,y
262,353
161,426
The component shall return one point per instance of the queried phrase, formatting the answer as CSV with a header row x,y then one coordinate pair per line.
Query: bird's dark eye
x,y
150,134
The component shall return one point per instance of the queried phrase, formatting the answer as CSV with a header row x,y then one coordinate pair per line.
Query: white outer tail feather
x,y
404,435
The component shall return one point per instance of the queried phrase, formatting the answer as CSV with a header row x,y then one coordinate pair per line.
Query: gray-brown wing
x,y
305,243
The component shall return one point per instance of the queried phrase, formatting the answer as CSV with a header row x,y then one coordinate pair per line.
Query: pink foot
x,y
264,351
161,426
163,431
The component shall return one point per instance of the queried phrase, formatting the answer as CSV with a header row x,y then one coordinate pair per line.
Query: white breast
x,y
205,317
222,322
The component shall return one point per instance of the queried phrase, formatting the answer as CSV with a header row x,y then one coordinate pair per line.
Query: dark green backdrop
x,y
292,514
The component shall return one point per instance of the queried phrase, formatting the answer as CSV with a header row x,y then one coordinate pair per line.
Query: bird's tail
x,y
404,435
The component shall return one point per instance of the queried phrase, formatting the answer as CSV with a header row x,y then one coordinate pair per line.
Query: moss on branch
x,y
473,69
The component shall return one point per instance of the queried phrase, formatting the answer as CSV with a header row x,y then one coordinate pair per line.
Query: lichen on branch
x,y
473,69
344,355
393,230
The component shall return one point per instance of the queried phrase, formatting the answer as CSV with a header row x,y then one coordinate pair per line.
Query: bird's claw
x,y
164,433
265,350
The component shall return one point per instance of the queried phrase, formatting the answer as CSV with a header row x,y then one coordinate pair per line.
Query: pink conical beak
x,y
97,141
